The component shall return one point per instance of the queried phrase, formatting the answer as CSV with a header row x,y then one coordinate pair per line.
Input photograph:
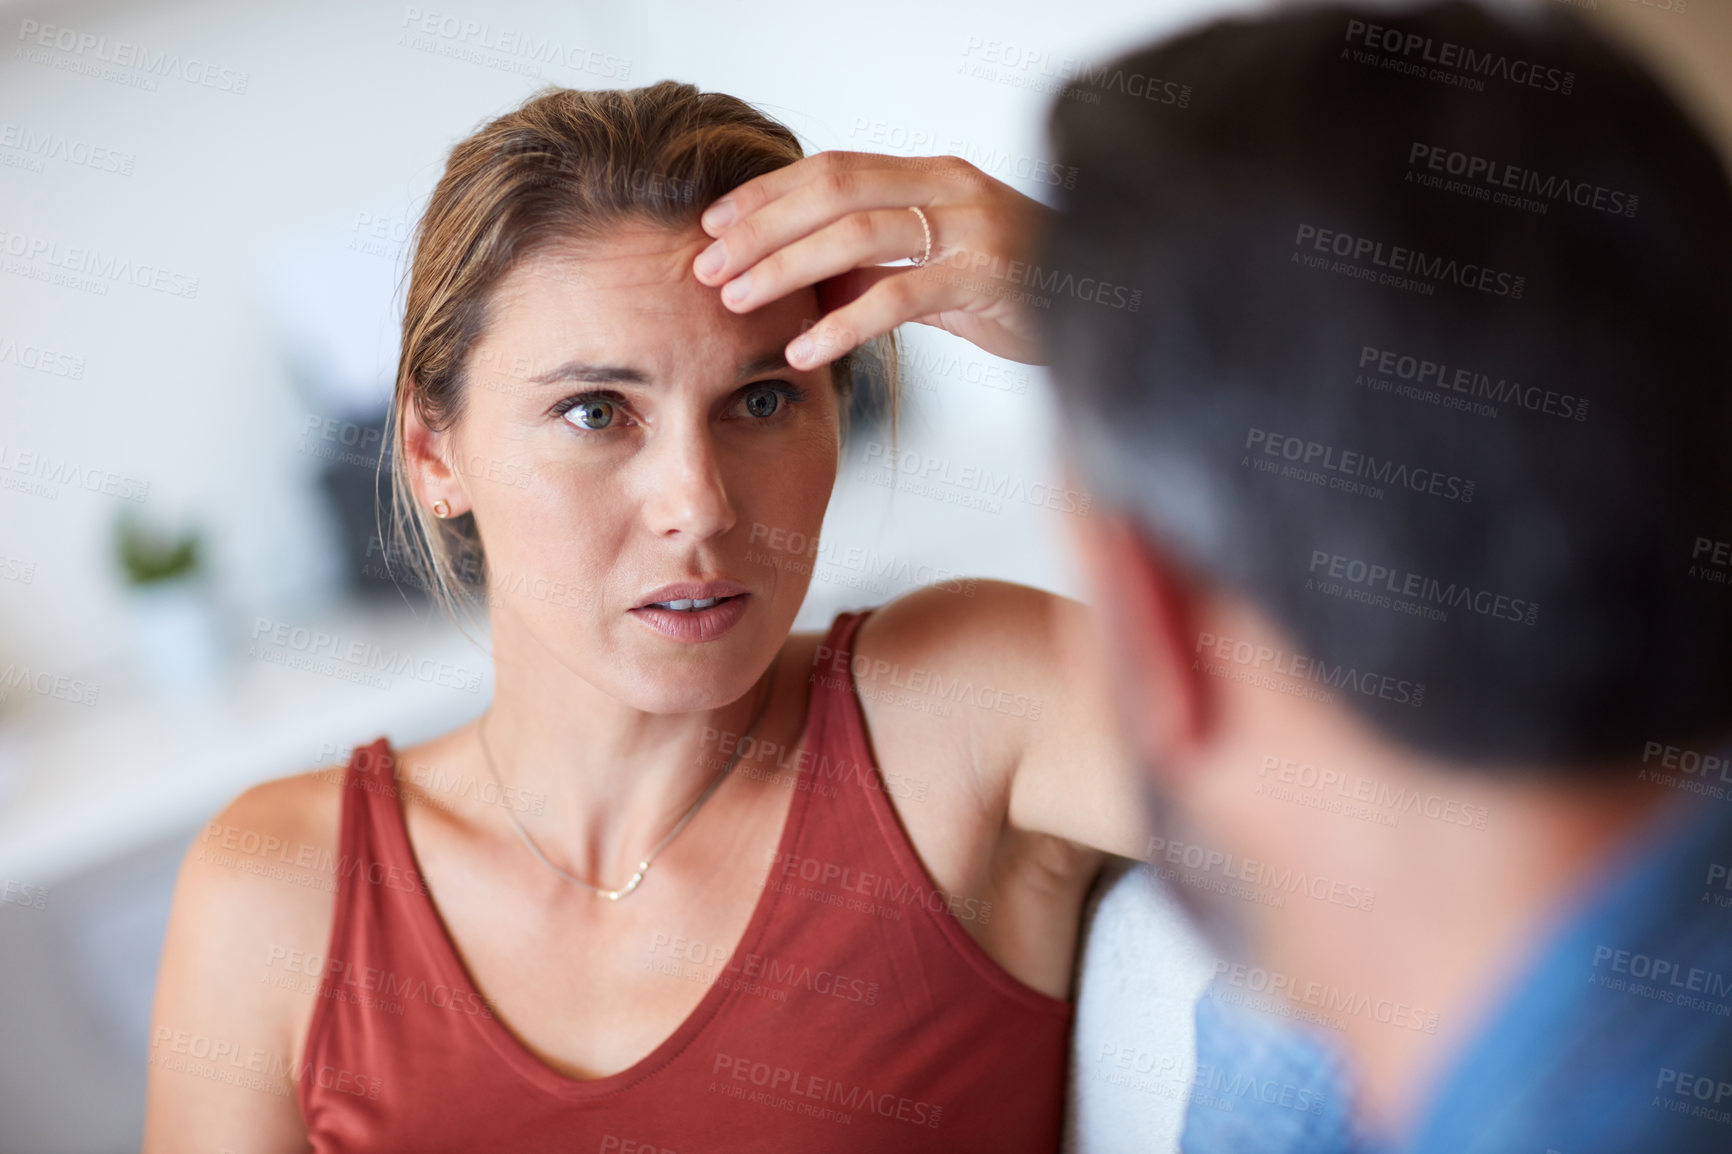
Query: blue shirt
x,y
1263,1086
1618,1039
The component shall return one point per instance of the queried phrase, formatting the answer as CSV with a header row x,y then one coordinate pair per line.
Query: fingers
x,y
756,193
833,220
899,295
856,241
781,207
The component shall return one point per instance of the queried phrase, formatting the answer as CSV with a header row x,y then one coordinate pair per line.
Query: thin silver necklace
x,y
644,865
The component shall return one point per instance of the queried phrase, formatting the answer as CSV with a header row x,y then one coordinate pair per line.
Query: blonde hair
x,y
564,166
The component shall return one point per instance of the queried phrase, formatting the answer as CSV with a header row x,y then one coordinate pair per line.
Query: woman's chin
x,y
659,675
694,693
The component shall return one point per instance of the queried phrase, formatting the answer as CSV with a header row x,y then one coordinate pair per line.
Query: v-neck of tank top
x,y
436,936
430,924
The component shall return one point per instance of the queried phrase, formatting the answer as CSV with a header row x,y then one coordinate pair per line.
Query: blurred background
x,y
203,216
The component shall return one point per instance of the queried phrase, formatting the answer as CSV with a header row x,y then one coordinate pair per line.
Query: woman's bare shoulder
x,y
954,681
262,873
1012,676
1006,680
302,808
241,965
981,654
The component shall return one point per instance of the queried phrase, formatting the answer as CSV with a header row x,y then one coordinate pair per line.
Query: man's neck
x,y
1470,872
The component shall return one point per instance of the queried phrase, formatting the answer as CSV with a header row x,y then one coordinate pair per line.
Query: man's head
x,y
1422,421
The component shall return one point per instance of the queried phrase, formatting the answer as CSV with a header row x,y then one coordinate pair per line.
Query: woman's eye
x,y
763,402
591,413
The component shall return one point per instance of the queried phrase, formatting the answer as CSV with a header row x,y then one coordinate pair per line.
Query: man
x,y
1418,461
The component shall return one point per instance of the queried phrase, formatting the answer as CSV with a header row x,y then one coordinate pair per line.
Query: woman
x,y
693,881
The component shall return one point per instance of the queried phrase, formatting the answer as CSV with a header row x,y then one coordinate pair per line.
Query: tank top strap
x,y
368,775
374,851
381,901
857,842
836,739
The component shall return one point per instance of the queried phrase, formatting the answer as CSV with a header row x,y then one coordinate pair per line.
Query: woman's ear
x,y
427,457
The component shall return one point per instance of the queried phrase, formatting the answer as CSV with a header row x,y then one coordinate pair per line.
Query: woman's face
x,y
624,433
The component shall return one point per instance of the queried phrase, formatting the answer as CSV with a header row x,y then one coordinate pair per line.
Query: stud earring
x,y
442,508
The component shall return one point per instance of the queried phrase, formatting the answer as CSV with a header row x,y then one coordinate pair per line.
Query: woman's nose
x,y
686,495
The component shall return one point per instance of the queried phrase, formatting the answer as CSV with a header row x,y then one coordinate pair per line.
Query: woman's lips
x,y
694,625
691,590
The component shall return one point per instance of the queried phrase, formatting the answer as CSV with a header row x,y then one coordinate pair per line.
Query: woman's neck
x,y
604,780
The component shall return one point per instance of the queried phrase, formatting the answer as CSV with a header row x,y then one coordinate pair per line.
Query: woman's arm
x,y
240,971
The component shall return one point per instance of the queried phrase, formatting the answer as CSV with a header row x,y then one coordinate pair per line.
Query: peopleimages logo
x,y
87,48
1440,379
23,894
1666,974
1690,762
37,255
1263,658
1203,859
988,268
896,892
793,543
61,471
354,658
910,470
274,1073
1425,590
1069,77
446,34
41,146
40,359
803,1086
763,969
1503,180
1353,470
1405,262
1711,561
1327,999
1458,64
1690,1093
1214,1086
923,142
43,683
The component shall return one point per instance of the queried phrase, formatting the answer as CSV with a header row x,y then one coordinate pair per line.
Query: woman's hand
x,y
833,219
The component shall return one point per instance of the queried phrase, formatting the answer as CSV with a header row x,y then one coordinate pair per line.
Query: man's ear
x,y
427,456
1147,617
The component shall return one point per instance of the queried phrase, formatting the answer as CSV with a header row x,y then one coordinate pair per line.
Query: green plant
x,y
150,555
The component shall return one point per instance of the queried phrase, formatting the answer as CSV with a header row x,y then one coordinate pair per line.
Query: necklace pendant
x,y
615,895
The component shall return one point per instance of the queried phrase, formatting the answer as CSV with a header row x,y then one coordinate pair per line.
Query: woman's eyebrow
x,y
770,362
592,374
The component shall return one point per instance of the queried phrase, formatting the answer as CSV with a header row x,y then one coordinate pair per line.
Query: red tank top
x,y
856,1014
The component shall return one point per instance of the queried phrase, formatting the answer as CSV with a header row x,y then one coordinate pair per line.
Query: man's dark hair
x,y
1432,360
